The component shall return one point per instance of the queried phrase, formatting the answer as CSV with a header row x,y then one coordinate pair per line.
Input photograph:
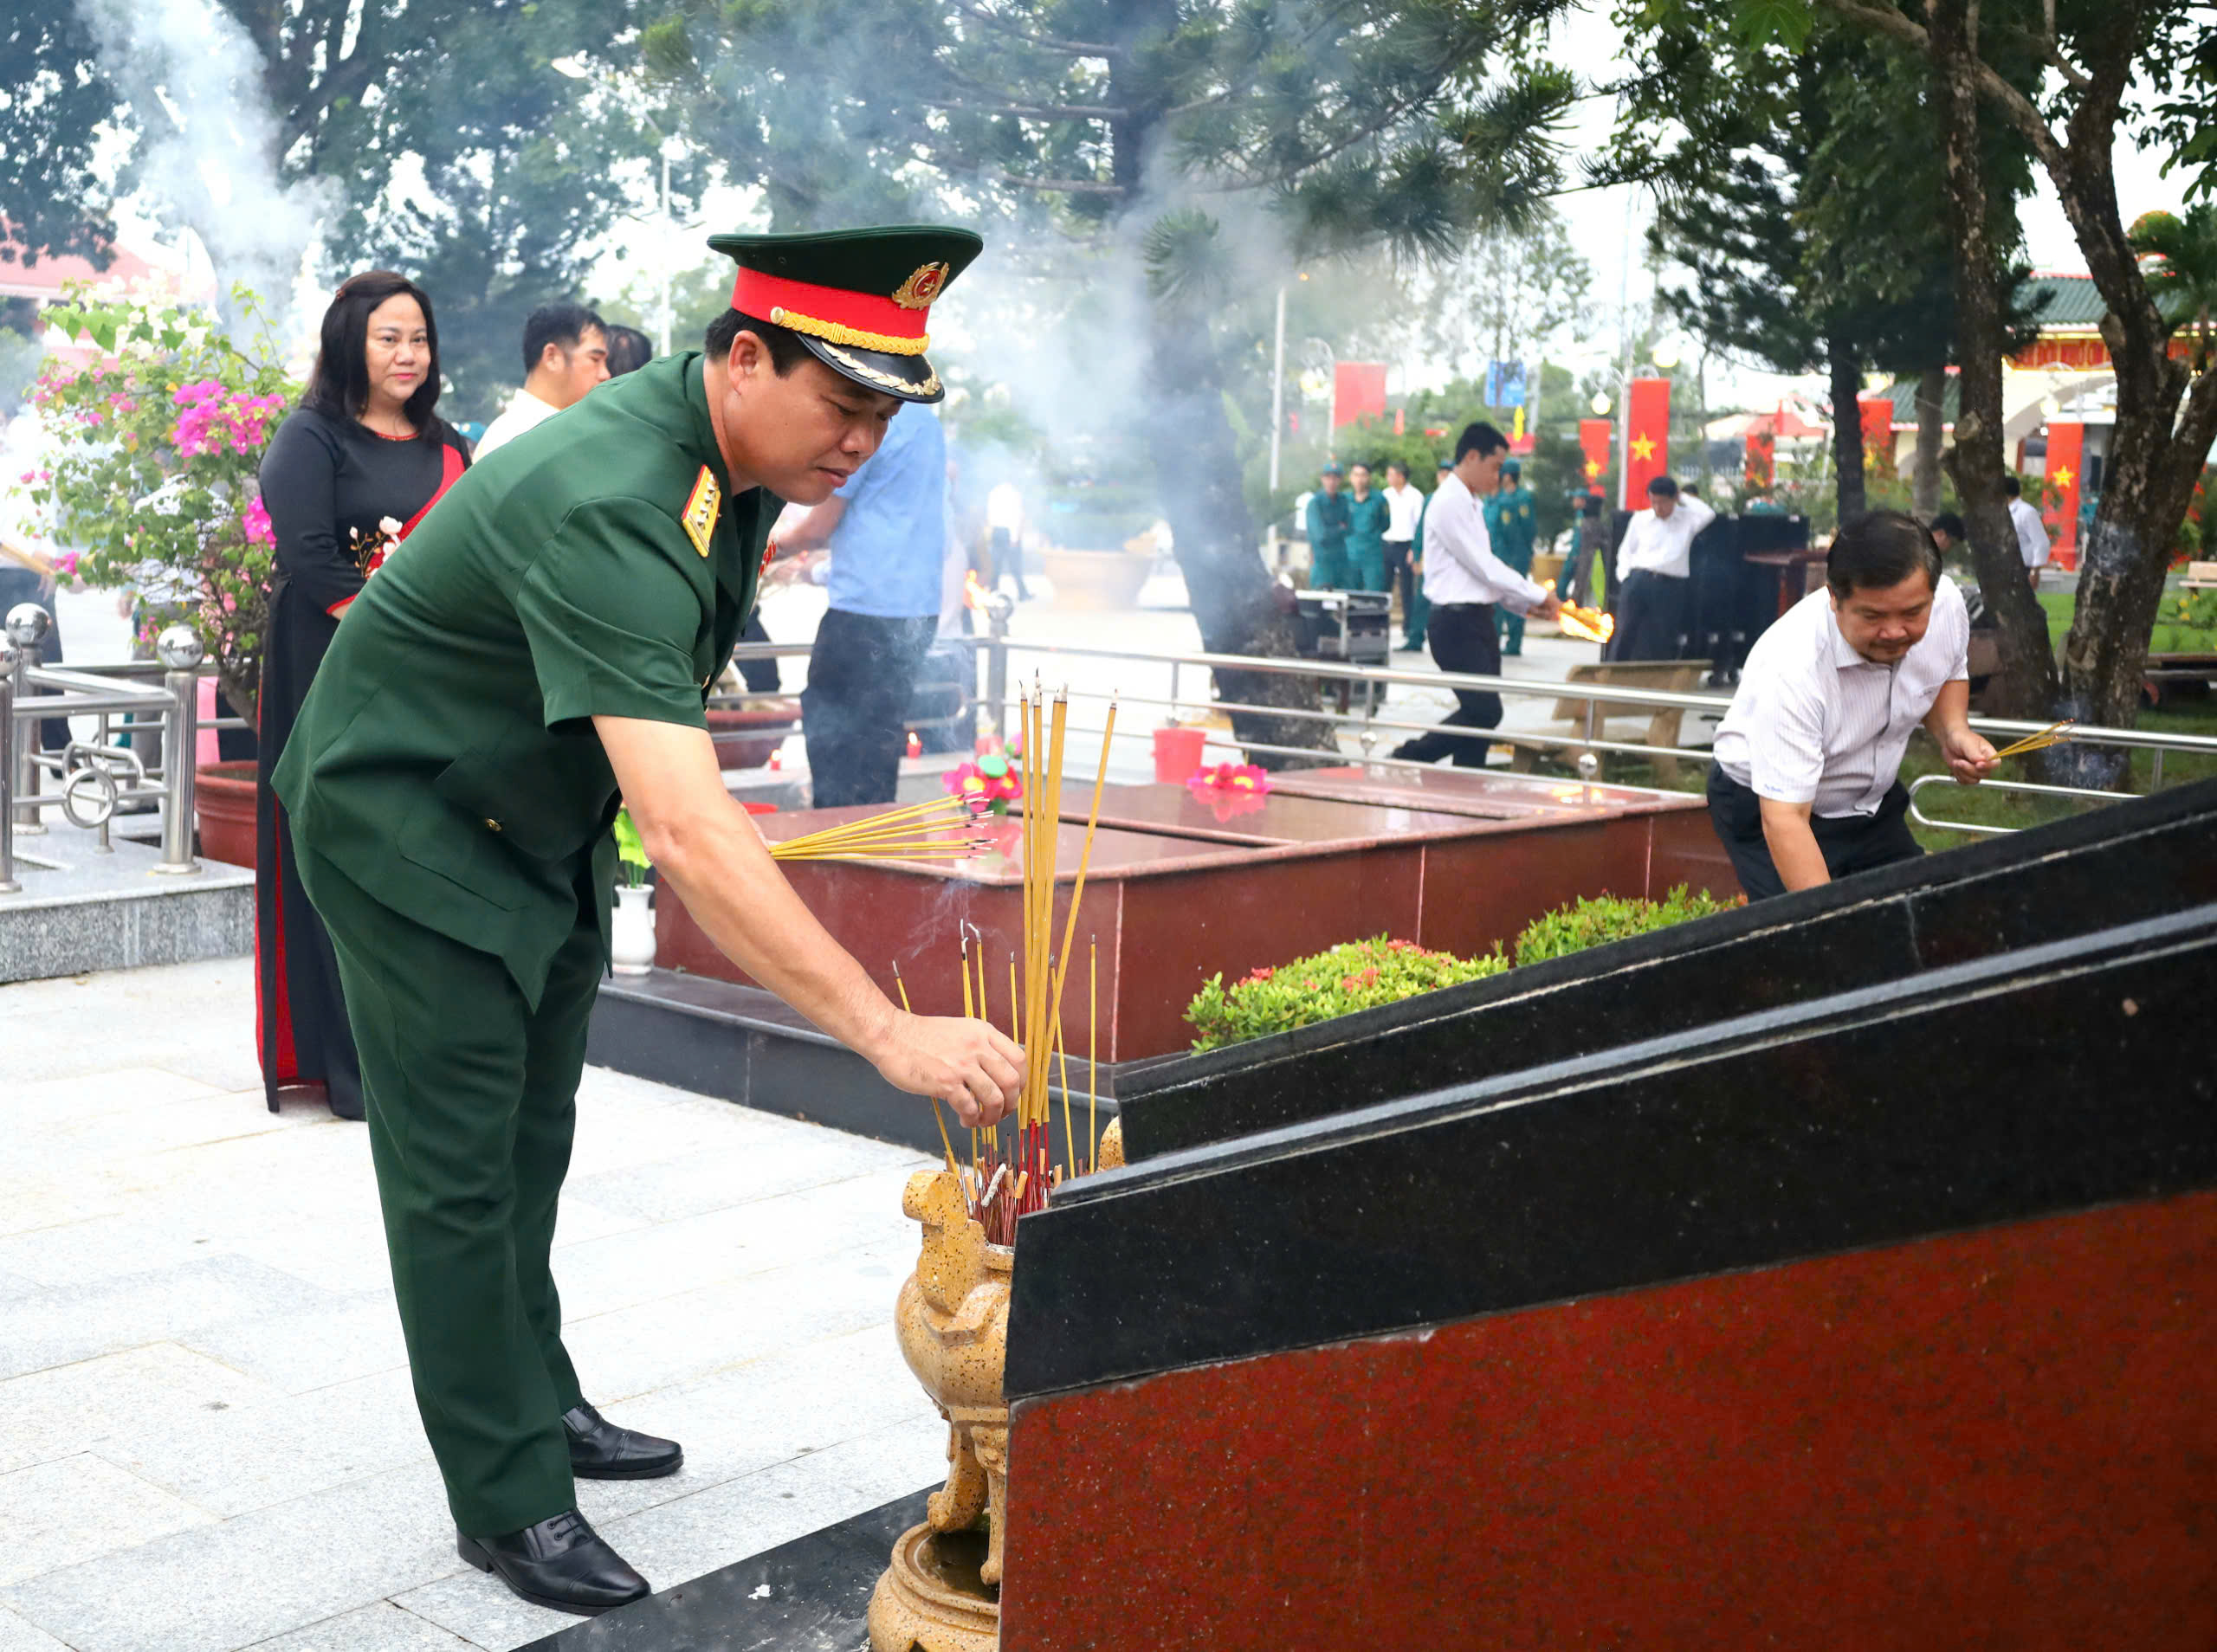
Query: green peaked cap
x,y
857,298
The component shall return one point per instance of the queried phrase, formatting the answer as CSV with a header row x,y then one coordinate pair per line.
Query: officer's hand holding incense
x,y
703,844
1970,758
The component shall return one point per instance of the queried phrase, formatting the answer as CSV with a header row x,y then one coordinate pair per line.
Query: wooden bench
x,y
1669,676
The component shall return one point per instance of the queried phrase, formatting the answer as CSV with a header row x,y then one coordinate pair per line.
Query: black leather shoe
x,y
560,1563
600,1450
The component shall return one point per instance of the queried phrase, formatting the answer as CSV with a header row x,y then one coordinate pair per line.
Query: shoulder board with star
x,y
701,509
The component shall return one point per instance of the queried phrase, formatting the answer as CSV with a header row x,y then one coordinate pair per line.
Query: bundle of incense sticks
x,y
1002,1184
944,828
2053,734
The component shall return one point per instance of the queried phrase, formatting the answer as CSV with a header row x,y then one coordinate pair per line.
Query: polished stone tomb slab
x,y
2134,860
1888,1319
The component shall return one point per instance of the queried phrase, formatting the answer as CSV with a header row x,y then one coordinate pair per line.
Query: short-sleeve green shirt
x,y
597,566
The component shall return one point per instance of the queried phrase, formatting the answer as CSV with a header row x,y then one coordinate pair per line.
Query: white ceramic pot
x,y
632,931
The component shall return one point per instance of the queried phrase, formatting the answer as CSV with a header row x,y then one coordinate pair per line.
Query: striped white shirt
x,y
1459,565
1815,722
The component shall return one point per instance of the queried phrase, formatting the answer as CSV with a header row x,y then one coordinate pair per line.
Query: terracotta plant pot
x,y
222,800
746,736
940,1593
1097,580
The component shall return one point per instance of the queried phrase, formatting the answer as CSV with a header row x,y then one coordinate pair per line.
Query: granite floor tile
x,y
162,1388
222,1586
238,1459
74,1509
382,1628
476,1609
60,1326
309,1349
718,1178
21,1635
92,1095
130,1241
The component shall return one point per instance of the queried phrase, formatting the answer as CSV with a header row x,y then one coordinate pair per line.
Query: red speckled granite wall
x,y
2006,1438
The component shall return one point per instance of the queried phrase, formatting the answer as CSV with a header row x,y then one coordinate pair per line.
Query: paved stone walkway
x,y
207,1438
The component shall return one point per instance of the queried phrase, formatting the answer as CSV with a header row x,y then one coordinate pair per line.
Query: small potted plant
x,y
632,925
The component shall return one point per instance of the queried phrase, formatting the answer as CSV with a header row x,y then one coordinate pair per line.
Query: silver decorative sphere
x,y
179,647
27,625
1588,765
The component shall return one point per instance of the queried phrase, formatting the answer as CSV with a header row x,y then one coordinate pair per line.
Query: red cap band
x,y
861,320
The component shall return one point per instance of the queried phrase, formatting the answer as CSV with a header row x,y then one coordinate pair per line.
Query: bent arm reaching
x,y
708,851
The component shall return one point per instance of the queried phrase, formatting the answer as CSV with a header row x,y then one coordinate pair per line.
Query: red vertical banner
x,y
1593,439
1358,391
1762,466
2066,453
1649,438
1876,413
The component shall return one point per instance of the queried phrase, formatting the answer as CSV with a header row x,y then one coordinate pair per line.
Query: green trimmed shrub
x,y
1609,918
1360,975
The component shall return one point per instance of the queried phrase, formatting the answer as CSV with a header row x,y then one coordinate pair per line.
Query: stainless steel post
x,y
7,884
27,626
998,610
180,652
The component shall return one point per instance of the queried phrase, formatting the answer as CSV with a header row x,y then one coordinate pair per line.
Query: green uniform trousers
x,y
471,1098
1508,626
1327,567
1366,568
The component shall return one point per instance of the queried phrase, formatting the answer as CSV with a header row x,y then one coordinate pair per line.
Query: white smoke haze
x,y
188,66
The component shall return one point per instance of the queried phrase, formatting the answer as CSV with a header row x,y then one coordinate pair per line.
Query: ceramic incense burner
x,y
941,1591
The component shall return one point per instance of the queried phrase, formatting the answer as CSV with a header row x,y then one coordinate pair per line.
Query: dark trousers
x,y
1850,843
855,709
1650,616
472,1103
1008,559
1463,639
760,676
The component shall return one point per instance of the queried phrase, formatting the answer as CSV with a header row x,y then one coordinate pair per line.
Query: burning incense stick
x,y
1092,1046
2053,734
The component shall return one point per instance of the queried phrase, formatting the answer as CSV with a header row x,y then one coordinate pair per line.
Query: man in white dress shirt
x,y
1805,786
1404,509
2032,533
1463,580
1653,565
565,355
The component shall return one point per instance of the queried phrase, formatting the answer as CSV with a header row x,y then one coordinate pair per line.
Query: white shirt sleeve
x,y
1950,610
1697,512
1786,745
2032,533
1474,550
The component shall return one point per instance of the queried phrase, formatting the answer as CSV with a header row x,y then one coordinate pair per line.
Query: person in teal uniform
x,y
1369,513
1511,523
1328,533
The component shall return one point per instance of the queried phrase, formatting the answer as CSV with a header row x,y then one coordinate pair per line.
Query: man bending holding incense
x,y
542,647
1805,786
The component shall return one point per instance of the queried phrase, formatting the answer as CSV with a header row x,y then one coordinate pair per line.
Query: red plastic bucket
x,y
758,807
1178,753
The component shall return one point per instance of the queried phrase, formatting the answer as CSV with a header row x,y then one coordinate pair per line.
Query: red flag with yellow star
x,y
2066,451
1649,439
1593,442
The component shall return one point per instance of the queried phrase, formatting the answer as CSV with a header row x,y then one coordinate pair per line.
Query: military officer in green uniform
x,y
1327,532
1368,514
540,648
1510,524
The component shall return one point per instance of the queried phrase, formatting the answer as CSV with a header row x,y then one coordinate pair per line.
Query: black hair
x,y
1480,438
338,384
629,350
563,324
786,350
2011,487
1661,487
1951,525
1396,464
1878,549
1590,505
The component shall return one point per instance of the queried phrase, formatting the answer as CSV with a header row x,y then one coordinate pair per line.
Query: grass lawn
x,y
2167,638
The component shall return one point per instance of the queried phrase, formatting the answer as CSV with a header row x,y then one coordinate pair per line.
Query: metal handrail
x,y
1917,814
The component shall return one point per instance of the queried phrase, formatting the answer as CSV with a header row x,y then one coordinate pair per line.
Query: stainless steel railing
x,y
93,777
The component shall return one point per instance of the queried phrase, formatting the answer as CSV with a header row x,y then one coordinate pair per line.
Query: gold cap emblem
x,y
920,288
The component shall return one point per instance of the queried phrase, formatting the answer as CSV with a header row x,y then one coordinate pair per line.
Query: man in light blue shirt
x,y
885,527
